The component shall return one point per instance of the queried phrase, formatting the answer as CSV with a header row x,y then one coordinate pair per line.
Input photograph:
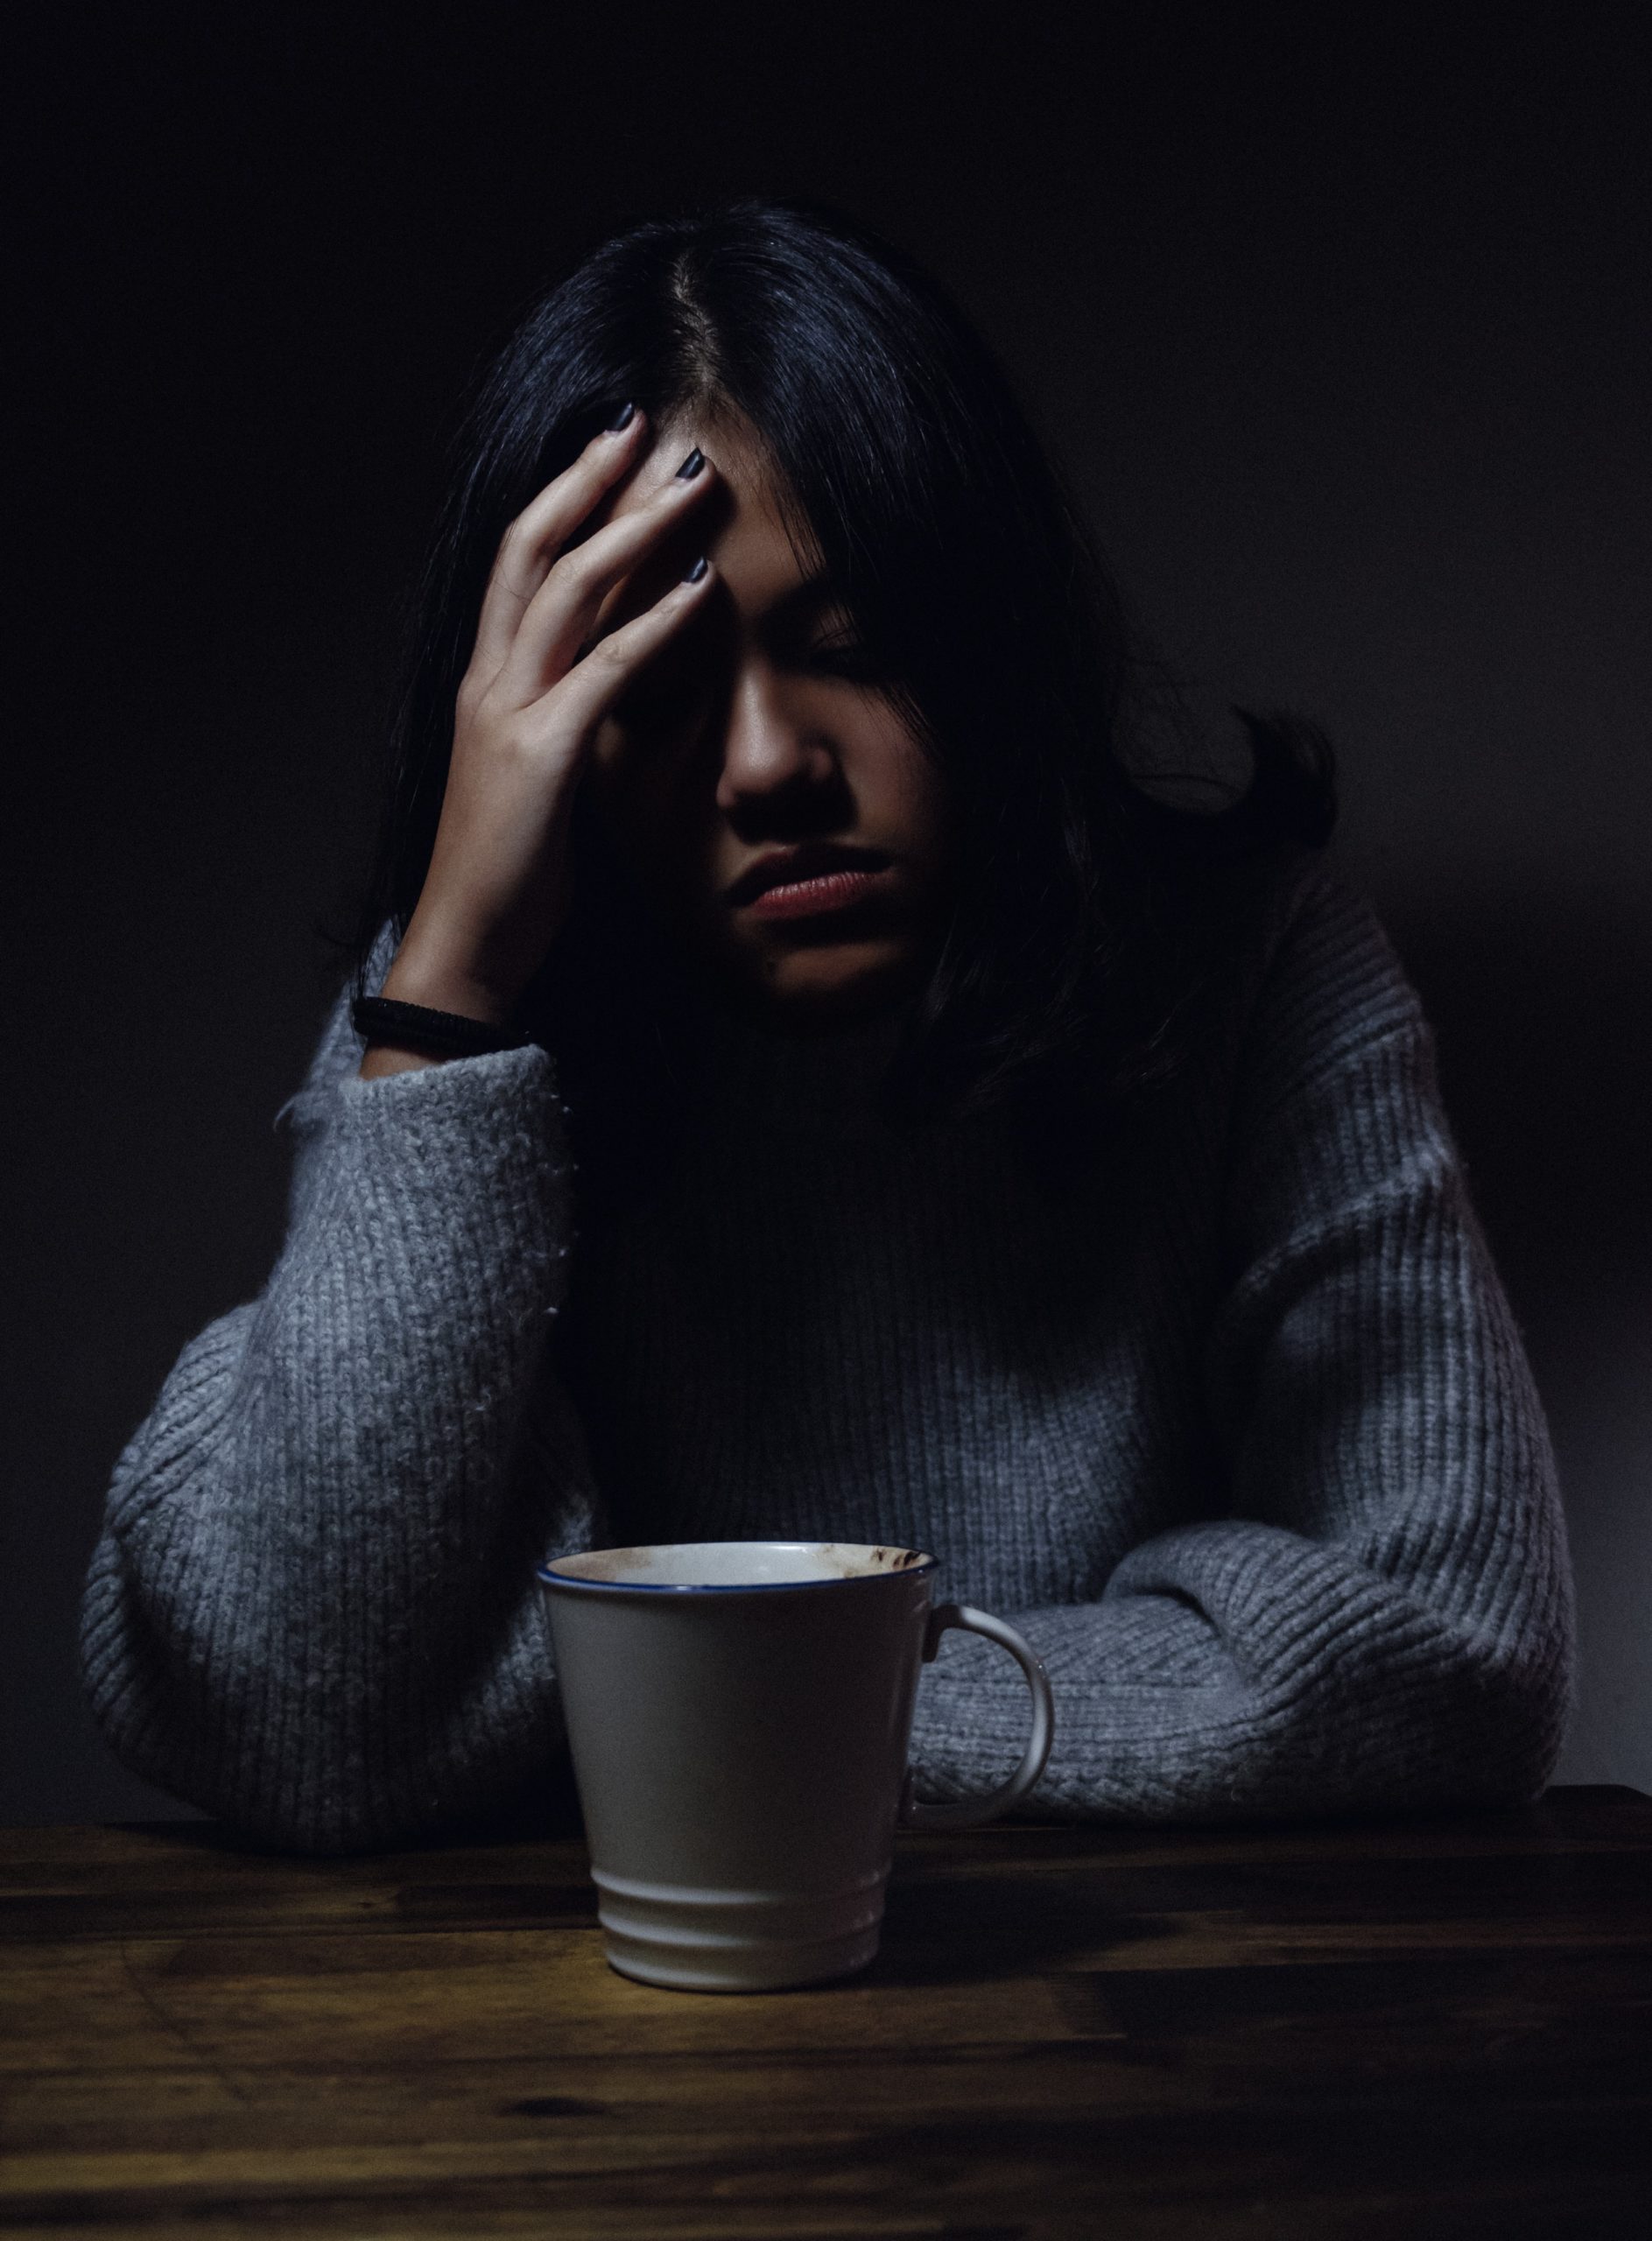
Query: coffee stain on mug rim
x,y
616,1569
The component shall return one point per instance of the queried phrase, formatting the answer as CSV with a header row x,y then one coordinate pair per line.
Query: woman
x,y
801,1085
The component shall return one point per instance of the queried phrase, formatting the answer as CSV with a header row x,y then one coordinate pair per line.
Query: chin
x,y
822,986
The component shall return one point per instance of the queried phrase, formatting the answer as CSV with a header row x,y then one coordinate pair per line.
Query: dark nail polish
x,y
623,419
691,465
697,571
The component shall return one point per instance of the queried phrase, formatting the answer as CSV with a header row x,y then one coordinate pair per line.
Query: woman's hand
x,y
531,702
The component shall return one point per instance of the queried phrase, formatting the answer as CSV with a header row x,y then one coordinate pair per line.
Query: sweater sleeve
x,y
1382,1620
313,1610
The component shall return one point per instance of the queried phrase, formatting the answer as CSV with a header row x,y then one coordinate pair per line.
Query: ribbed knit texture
x,y
1241,1433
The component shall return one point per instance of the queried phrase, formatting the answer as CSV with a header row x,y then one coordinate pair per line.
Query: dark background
x,y
1342,329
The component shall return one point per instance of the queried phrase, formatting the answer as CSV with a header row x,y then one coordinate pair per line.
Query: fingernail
x,y
623,419
697,571
691,465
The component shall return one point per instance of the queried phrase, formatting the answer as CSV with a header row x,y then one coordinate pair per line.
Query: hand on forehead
x,y
738,523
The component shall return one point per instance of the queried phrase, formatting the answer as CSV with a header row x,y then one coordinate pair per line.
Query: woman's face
x,y
756,731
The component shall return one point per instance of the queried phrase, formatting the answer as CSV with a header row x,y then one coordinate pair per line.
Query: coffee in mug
x,y
738,1715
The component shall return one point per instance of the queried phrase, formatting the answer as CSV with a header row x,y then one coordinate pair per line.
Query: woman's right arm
x,y
313,1610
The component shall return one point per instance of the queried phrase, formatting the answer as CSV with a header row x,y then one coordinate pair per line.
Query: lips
x,y
811,861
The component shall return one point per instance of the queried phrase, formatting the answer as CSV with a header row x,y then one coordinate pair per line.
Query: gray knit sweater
x,y
1241,1433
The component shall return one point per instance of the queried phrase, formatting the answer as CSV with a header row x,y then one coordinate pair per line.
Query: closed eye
x,y
844,657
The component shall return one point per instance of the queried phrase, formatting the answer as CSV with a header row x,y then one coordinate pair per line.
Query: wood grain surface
x,y
1403,2029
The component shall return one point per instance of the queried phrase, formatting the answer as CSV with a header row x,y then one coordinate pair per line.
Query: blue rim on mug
x,y
916,1565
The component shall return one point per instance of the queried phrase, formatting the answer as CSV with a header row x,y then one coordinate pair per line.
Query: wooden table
x,y
1402,2030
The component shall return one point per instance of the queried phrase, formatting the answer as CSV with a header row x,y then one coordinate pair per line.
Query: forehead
x,y
760,547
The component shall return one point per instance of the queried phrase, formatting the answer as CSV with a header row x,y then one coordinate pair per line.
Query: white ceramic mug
x,y
739,1713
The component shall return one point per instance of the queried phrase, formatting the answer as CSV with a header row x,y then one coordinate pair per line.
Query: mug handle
x,y
970,1812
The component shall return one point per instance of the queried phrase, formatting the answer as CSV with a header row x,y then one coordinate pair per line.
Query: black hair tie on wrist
x,y
415,1027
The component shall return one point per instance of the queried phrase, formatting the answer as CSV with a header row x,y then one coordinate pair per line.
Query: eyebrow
x,y
801,599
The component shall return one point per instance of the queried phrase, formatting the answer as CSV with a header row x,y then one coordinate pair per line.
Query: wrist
x,y
430,973
426,972
382,1058
420,1027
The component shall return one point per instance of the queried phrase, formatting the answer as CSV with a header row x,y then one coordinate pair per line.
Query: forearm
x,y
1235,1670
432,971
314,1608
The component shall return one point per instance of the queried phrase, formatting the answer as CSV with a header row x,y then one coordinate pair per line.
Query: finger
x,y
562,614
591,687
531,544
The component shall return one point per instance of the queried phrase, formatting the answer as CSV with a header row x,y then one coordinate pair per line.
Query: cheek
x,y
898,787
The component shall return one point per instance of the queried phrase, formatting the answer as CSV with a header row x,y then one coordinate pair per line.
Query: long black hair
x,y
974,584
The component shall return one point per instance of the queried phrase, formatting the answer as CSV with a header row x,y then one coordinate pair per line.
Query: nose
x,y
769,747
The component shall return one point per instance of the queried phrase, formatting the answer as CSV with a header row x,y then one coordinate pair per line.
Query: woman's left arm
x,y
1384,1620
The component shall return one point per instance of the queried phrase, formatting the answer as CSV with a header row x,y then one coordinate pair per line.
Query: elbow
x,y
229,1740
1516,1685
1514,1713
1479,1699
287,1755
1486,1726
1465,1721
269,1803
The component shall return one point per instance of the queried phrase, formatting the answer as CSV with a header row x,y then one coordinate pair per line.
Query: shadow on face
x,y
758,730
